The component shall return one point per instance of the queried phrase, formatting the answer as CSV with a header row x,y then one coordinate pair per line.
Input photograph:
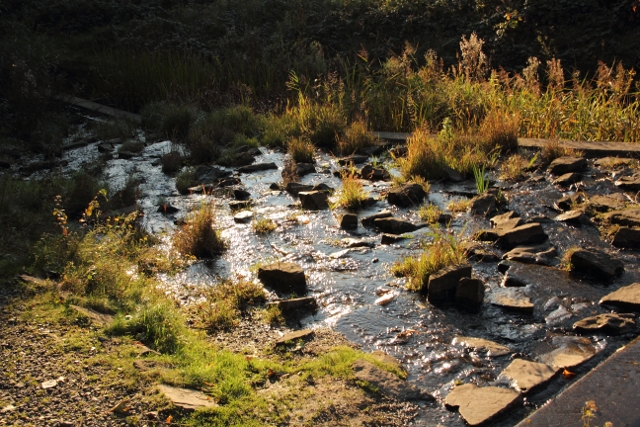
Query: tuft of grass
x,y
424,157
430,213
263,225
338,363
513,167
174,121
301,150
482,180
443,251
185,180
553,150
351,195
198,236
355,138
459,205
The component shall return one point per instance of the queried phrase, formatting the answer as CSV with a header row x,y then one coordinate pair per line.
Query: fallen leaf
x,y
169,419
567,373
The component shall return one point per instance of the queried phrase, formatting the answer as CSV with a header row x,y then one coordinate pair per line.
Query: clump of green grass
x,y
459,205
351,195
355,138
445,250
339,363
424,156
198,236
185,180
301,150
263,225
482,181
430,213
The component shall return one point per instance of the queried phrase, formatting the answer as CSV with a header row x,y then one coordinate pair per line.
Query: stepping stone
x,y
506,220
478,405
629,183
387,383
243,217
187,399
322,187
515,301
475,251
567,179
367,221
314,200
563,165
573,217
508,238
627,217
571,352
627,298
348,221
288,306
408,195
492,349
470,293
295,188
595,263
527,376
257,167
283,277
626,238
388,239
443,284
611,323
304,334
541,255
371,173
395,225
484,204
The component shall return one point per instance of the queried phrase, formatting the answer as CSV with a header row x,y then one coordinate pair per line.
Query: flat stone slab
x,y
283,277
387,383
480,344
395,225
627,238
367,221
527,375
627,297
512,300
629,183
627,217
186,398
243,217
566,164
290,305
612,323
612,385
257,167
478,405
302,334
590,149
541,254
571,352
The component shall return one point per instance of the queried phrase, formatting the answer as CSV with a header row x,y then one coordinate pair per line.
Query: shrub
x,y
185,180
171,162
424,156
301,150
198,237
160,325
174,121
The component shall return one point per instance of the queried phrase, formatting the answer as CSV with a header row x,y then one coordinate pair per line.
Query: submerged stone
x,y
611,323
492,349
526,375
510,299
478,405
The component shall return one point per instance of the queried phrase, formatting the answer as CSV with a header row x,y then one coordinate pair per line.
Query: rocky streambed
x,y
492,339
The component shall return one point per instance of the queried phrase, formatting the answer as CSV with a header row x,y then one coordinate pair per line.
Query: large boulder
x,y
408,195
283,277
470,293
595,263
443,284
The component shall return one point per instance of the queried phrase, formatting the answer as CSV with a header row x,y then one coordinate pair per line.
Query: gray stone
x,y
475,251
387,383
512,300
388,239
573,217
570,352
627,217
348,221
257,167
527,376
295,188
283,277
395,225
288,306
478,405
627,297
595,263
541,254
629,183
611,323
492,349
374,174
410,194
563,165
484,204
303,334
314,200
470,293
187,399
443,284
511,237
243,217
627,238
367,221
567,179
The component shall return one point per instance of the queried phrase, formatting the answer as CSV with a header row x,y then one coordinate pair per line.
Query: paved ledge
x,y
613,385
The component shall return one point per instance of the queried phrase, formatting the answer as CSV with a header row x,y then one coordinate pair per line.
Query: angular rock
x,y
567,179
571,352
388,239
374,174
352,160
243,217
257,167
563,165
395,225
303,334
283,277
302,169
595,263
408,195
274,186
478,405
348,221
527,376
367,221
627,238
508,238
484,204
567,203
240,204
322,187
506,220
105,147
627,217
187,399
387,383
241,194
629,183
443,284
626,298
295,188
573,217
607,203
514,301
492,349
611,323
314,200
475,251
288,306
541,254
210,174
470,293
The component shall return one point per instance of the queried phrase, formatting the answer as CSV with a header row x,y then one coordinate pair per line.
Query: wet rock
x,y
167,209
626,298
341,254
484,204
126,155
443,284
571,352
302,169
240,204
470,293
385,299
566,203
389,239
606,203
509,299
314,200
293,305
367,221
626,238
573,217
348,221
504,266
352,160
187,399
106,147
595,263
357,243
283,277
84,142
408,195
228,182
492,349
629,183
243,217
322,187
374,174
527,376
289,337
451,174
295,188
563,165
627,217
395,225
210,174
508,238
241,194
257,167
567,179
506,220
610,323
541,254
477,252
387,383
275,187
478,405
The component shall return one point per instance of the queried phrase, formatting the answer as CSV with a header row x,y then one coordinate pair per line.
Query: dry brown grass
x,y
198,237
